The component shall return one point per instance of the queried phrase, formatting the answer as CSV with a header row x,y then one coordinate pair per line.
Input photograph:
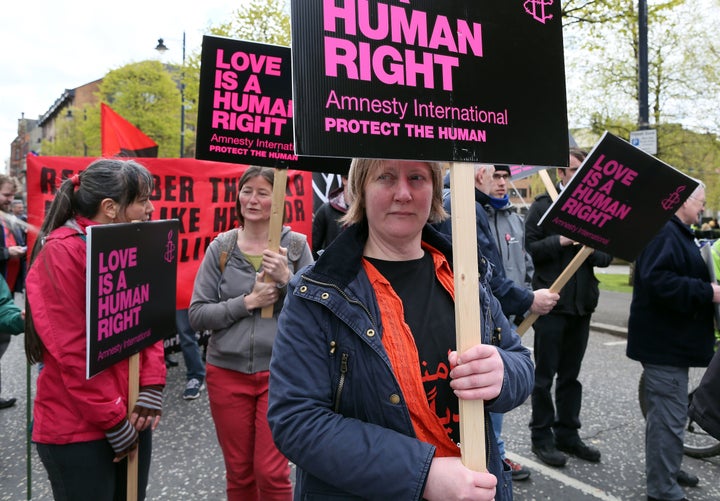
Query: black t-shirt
x,y
429,311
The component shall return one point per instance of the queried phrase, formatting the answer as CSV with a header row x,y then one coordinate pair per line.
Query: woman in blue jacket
x,y
364,376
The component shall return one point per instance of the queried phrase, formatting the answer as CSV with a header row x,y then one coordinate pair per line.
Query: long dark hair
x,y
122,181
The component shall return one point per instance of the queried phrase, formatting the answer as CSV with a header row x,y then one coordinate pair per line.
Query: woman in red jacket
x,y
80,425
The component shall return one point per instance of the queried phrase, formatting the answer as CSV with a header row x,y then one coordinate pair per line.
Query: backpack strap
x,y
228,240
296,246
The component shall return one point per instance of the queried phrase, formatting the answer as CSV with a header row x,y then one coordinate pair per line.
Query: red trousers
x,y
255,469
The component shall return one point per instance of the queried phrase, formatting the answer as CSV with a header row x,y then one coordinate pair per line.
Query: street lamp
x,y
161,47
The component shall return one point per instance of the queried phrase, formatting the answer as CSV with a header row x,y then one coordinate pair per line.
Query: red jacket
x,y
68,407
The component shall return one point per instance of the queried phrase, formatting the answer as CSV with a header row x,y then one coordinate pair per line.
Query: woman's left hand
x,y
275,265
478,373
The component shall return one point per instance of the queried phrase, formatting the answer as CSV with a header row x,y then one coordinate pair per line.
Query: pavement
x,y
187,461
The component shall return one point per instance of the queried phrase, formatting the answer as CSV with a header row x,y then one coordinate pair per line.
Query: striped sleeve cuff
x,y
122,437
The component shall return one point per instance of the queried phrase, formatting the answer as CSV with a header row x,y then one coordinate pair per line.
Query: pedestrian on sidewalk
x,y
229,293
561,336
671,328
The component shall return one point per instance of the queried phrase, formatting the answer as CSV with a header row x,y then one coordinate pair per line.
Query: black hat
x,y
505,168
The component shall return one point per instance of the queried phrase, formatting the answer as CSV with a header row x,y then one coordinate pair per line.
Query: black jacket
x,y
581,294
671,314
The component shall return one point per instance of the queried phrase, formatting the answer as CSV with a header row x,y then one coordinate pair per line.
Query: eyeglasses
x,y
703,202
501,176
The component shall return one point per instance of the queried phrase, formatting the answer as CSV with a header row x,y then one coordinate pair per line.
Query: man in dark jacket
x,y
670,329
561,336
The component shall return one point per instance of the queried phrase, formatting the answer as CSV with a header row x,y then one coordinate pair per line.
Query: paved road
x,y
187,462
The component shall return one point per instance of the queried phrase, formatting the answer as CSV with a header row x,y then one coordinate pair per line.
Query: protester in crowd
x,y
326,220
12,318
11,322
18,209
12,258
238,277
194,365
509,235
561,336
669,330
515,299
504,247
81,426
364,377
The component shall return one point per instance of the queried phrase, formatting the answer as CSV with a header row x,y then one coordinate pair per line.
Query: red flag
x,y
120,138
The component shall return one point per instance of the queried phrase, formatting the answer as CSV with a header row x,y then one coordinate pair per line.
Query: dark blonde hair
x,y
360,171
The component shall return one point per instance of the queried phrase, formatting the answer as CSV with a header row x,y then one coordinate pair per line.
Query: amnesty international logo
x,y
536,8
169,255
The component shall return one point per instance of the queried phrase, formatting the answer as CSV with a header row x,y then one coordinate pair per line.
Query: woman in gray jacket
x,y
230,292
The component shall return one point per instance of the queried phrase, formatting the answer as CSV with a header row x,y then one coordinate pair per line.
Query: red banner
x,y
200,194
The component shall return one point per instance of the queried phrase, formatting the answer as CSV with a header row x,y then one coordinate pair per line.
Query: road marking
x,y
555,474
615,343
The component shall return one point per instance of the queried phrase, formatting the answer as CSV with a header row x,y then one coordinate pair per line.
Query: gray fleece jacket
x,y
241,340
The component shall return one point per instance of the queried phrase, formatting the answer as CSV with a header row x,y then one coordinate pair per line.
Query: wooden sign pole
x,y
133,390
276,221
467,304
559,283
568,272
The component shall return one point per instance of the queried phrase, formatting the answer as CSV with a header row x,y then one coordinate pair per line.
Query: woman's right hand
x,y
263,294
448,479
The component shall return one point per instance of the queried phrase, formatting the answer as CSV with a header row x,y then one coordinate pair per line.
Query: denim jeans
x,y
189,346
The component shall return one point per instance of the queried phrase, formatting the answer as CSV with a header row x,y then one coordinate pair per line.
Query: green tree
x,y
266,21
602,63
146,95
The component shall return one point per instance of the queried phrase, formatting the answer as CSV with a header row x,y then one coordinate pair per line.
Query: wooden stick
x,y
467,304
276,221
549,186
559,283
577,261
133,390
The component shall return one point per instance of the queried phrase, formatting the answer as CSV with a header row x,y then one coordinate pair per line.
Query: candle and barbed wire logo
x,y
170,248
537,9
673,199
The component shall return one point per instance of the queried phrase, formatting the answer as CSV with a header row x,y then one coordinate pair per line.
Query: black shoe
x,y
581,450
170,362
5,403
549,454
687,479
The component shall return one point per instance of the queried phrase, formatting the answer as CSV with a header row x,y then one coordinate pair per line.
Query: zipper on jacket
x,y
341,383
496,336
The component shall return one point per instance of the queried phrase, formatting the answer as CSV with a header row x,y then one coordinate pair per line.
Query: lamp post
x,y
161,47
